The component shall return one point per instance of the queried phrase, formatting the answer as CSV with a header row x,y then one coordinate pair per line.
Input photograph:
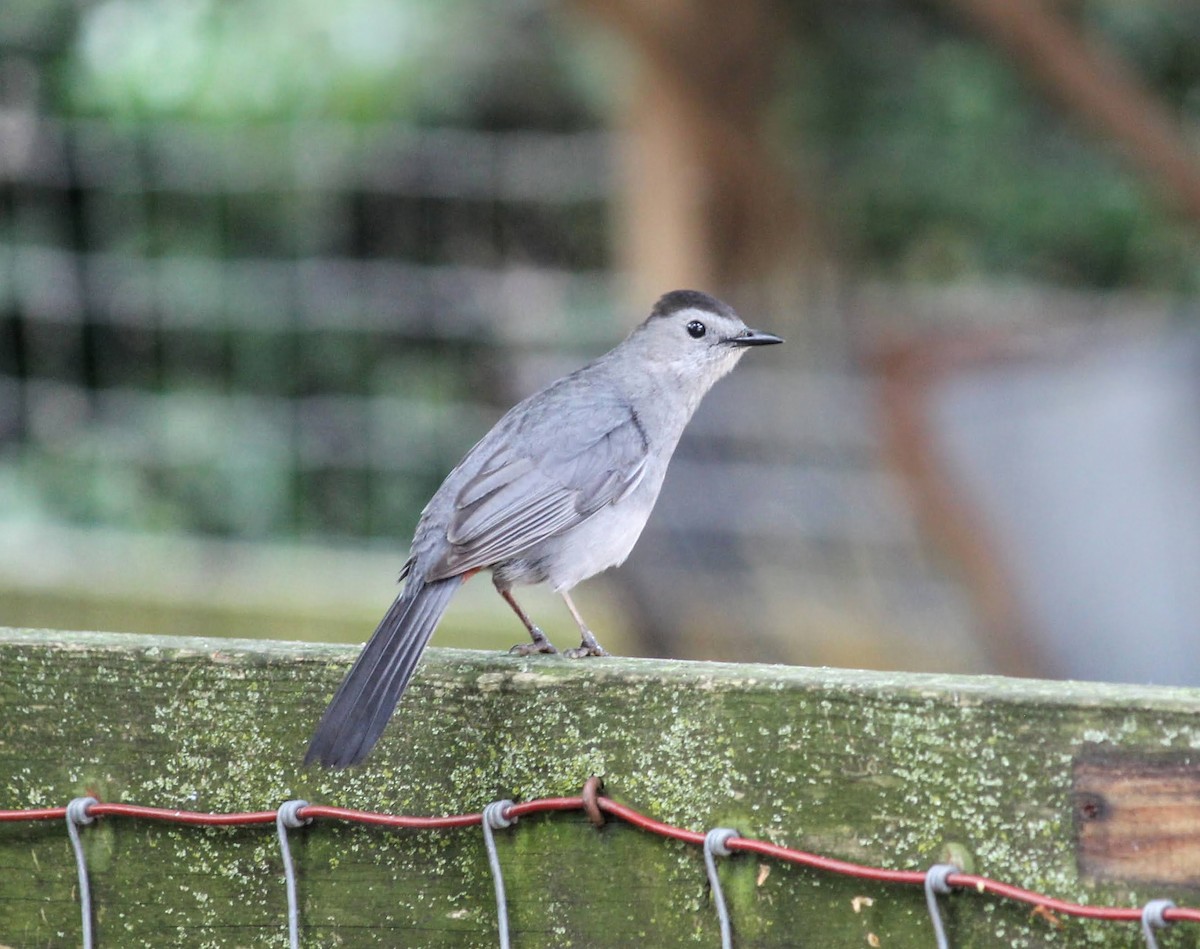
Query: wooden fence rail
x,y
1084,792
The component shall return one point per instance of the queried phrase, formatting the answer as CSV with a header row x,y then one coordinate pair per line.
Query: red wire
x,y
388,820
829,864
41,813
965,881
545,804
1127,914
630,816
181,817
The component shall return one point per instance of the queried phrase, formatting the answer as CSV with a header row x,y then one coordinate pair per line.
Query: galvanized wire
x,y
287,816
1153,918
937,883
716,844
78,814
495,817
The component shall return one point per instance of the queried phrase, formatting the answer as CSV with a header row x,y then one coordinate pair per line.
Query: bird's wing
x,y
550,470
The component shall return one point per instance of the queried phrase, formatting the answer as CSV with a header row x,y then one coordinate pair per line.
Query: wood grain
x,y
1138,818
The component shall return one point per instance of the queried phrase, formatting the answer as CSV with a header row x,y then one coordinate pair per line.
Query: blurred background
x,y
267,269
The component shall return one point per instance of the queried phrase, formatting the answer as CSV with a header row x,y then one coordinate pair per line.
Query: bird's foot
x,y
583,650
540,645
589,647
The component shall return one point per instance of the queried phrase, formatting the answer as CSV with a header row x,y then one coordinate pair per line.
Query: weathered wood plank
x,y
880,768
1138,817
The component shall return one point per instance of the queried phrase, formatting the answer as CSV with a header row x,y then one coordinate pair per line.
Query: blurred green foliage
x,y
937,160
363,60
934,158
251,422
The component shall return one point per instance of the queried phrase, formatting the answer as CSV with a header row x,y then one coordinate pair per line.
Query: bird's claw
x,y
583,650
540,645
533,649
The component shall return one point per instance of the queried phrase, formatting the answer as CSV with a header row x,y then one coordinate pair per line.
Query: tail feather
x,y
368,695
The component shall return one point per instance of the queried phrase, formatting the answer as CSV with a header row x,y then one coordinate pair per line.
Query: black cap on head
x,y
678,300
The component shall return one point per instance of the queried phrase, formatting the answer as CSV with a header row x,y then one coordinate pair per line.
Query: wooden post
x,y
702,198
889,769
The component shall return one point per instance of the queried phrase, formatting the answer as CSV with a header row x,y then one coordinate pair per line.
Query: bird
x,y
558,491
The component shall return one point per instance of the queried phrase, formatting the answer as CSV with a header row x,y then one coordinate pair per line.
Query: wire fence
x,y
938,880
268,323
263,330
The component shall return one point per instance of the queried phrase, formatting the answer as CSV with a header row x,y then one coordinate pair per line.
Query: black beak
x,y
754,338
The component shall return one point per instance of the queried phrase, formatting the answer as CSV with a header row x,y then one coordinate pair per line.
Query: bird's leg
x,y
540,642
588,646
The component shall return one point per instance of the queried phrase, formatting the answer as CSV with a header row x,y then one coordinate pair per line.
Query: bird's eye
x,y
695,329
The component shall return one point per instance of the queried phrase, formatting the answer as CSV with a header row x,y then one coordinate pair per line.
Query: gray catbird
x,y
557,491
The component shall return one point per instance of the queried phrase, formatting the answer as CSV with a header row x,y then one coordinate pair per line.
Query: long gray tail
x,y
368,695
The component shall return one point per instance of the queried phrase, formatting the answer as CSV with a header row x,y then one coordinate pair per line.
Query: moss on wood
x,y
882,768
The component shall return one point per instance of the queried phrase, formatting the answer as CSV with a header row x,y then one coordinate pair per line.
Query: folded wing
x,y
555,477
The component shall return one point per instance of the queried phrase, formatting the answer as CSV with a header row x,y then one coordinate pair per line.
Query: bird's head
x,y
696,336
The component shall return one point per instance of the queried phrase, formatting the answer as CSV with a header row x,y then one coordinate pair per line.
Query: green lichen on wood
x,y
880,768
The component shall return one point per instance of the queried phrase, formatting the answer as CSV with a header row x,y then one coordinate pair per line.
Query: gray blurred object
x,y
817,557
1085,466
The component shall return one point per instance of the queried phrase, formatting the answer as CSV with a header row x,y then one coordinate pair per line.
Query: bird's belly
x,y
602,541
